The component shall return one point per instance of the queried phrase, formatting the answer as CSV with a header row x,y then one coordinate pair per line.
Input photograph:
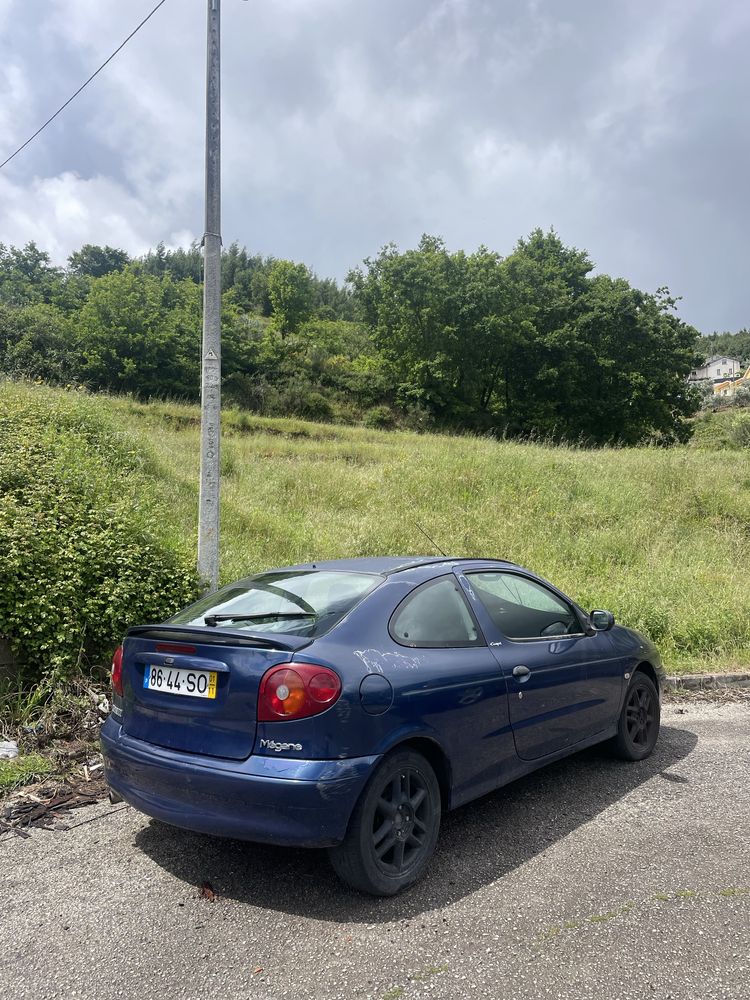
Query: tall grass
x,y
658,536
726,429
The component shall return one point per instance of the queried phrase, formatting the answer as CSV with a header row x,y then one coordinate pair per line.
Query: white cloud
x,y
5,6
62,213
493,160
14,97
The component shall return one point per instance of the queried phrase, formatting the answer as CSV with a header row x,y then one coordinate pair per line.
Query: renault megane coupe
x,y
348,704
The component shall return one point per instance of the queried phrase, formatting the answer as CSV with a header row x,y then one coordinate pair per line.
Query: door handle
x,y
521,673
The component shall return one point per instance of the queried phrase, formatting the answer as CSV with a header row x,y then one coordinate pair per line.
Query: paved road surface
x,y
590,879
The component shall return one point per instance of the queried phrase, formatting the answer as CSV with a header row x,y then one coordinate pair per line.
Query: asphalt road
x,y
590,879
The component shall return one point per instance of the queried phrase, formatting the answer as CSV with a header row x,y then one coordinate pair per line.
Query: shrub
x,y
35,344
417,418
82,533
315,406
379,418
247,391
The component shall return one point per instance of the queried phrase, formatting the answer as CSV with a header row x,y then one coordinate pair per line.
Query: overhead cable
x,y
83,85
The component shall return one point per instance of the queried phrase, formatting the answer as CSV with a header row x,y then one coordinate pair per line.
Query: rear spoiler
x,y
219,637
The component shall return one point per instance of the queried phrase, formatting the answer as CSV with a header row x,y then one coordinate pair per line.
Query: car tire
x,y
638,725
393,829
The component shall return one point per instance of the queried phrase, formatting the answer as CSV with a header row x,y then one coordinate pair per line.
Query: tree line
x,y
532,344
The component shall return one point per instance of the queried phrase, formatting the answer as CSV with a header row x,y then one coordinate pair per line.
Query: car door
x,y
546,657
454,684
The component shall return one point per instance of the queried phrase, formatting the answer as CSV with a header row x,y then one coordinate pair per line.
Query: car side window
x,y
522,608
435,615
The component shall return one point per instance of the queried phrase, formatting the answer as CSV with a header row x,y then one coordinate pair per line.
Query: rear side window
x,y
301,602
522,608
435,615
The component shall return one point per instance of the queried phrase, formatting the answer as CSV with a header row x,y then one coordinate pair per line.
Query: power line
x,y
83,85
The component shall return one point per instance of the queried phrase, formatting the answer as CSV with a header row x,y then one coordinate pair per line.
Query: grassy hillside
x,y
660,537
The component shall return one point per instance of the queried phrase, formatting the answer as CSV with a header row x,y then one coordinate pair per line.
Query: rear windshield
x,y
306,603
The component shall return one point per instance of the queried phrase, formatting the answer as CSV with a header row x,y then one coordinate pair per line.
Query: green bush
x,y
379,418
299,399
82,533
315,406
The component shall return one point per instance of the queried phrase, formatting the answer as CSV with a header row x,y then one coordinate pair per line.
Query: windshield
x,y
297,602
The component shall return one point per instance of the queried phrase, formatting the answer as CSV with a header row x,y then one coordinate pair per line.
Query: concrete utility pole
x,y
208,502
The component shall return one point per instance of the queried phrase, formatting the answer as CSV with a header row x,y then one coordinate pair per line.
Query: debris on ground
x,y
66,735
721,694
206,892
47,804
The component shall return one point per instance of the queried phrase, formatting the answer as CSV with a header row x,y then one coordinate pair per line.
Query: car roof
x,y
386,565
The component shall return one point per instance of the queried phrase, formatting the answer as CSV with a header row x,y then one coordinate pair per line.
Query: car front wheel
x,y
393,829
638,726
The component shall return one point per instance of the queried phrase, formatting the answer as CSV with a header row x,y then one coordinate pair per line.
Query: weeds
x,y
55,724
21,704
23,770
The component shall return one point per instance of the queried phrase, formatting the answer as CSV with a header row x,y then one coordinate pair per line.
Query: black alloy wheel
x,y
638,727
394,827
401,822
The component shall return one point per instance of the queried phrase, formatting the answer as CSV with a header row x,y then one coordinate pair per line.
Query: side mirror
x,y
601,621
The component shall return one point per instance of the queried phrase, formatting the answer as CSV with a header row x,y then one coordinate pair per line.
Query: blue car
x,y
347,704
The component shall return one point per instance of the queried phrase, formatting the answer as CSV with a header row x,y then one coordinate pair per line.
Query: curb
x,y
700,682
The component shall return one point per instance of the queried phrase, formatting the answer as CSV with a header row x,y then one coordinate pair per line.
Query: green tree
x,y
140,334
35,343
156,261
449,325
530,344
331,301
290,289
632,355
410,301
94,261
27,276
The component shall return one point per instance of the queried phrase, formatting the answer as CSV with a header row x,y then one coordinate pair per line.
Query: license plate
x,y
173,680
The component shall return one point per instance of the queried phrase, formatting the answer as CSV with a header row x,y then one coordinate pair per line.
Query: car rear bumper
x,y
274,800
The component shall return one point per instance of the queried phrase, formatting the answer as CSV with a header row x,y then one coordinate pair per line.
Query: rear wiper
x,y
215,619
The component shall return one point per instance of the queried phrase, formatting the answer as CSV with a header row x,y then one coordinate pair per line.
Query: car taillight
x,y
117,671
296,691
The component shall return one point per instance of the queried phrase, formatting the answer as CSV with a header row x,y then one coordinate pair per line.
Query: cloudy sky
x,y
625,124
